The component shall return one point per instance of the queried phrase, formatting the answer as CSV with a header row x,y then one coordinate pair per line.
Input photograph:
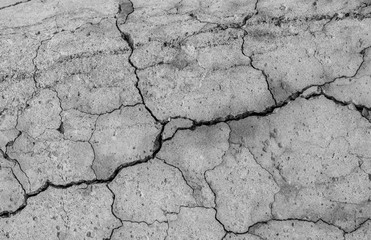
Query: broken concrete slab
x,y
206,90
88,68
195,152
12,195
14,95
50,158
315,158
294,57
354,90
184,119
171,127
149,191
244,191
77,126
41,114
126,135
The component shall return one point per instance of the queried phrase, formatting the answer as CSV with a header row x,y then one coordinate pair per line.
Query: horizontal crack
x,y
14,4
157,146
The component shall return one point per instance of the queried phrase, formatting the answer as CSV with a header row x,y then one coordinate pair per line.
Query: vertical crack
x,y
128,39
15,161
215,201
113,213
254,67
265,77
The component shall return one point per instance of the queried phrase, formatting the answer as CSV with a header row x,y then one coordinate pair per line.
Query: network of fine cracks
x,y
159,140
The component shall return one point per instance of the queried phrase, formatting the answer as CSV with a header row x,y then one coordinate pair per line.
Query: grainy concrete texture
x,y
185,119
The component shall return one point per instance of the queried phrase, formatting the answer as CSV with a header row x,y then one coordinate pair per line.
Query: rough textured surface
x,y
317,160
185,119
195,152
51,158
11,192
123,136
246,236
195,223
356,89
244,190
140,230
295,230
81,212
148,192
363,233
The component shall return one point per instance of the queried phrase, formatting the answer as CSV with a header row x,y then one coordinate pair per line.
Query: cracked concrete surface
x,y
185,119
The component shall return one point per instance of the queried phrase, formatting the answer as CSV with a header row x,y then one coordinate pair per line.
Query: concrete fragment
x,y
195,152
11,191
79,212
195,223
362,233
7,136
315,149
354,90
190,69
294,58
42,114
311,91
147,192
244,190
17,52
14,95
51,158
89,69
174,124
78,126
123,136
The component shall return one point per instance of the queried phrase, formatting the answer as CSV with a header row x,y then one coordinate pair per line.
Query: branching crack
x,y
127,38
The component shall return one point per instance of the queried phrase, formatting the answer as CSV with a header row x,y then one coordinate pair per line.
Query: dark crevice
x,y
127,38
113,212
6,156
270,109
157,146
265,77
14,4
159,141
108,112
257,224
215,202
359,226
363,110
61,128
